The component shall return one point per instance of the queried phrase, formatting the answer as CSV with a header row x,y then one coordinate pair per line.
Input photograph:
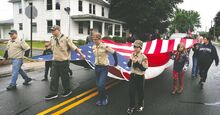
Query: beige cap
x,y
55,27
138,43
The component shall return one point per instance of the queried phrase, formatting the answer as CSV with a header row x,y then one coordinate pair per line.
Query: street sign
x,y
28,12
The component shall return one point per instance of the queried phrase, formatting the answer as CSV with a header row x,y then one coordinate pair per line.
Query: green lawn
x,y
1,53
37,44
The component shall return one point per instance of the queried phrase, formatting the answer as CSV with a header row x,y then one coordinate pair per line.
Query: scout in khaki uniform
x,y
16,49
138,63
61,47
101,66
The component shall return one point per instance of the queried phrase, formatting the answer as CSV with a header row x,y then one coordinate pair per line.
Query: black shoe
x,y
11,87
139,108
51,96
71,72
201,85
45,79
65,94
130,110
26,82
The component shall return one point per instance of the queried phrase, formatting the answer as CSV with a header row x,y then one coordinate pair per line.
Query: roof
x,y
88,16
12,1
101,2
7,22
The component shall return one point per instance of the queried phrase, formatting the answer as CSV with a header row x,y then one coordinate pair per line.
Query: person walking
x,y
181,63
16,50
48,64
101,51
138,63
61,46
195,68
206,54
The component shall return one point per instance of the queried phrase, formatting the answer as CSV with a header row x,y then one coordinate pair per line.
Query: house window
x,y
90,8
58,22
88,30
20,26
57,4
93,9
103,11
80,6
49,5
20,9
34,27
49,25
80,27
100,28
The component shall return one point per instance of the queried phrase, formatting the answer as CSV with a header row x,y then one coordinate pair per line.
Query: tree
x,y
184,21
215,30
143,16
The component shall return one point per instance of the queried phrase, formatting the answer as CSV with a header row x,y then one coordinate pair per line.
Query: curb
x,y
7,73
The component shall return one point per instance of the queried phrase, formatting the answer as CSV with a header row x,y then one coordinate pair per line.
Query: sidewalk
x,y
216,43
5,70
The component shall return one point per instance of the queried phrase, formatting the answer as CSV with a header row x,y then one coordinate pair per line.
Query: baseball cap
x,y
12,32
55,27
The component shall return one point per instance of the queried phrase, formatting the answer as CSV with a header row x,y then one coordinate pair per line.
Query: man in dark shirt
x,y
206,54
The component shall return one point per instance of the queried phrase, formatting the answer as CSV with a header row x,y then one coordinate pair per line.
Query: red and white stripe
x,y
157,52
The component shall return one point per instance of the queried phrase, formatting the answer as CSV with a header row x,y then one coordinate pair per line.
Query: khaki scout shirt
x,y
16,48
62,49
142,59
101,54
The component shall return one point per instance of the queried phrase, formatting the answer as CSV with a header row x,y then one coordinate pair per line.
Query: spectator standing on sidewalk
x,y
61,46
16,49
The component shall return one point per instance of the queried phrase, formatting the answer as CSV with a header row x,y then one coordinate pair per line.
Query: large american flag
x,y
157,52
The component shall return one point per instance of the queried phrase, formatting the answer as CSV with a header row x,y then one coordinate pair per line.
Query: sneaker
x,y
98,103
44,79
139,108
51,96
66,94
105,101
27,82
130,110
201,85
11,87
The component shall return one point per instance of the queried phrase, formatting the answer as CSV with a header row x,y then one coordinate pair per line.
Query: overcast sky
x,y
206,8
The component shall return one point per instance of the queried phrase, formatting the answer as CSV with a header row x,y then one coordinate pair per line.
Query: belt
x,y
137,75
61,61
101,66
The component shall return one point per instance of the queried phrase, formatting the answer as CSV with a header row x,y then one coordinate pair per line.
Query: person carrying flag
x,y
101,51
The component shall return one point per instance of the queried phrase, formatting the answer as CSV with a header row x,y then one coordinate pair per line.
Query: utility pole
x,y
31,24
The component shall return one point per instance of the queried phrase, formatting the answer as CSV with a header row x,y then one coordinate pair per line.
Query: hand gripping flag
x,y
157,51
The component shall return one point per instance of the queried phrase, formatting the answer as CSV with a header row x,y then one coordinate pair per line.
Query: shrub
x,y
119,39
81,42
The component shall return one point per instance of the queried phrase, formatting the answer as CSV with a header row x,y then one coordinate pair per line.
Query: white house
x,y
84,15
5,27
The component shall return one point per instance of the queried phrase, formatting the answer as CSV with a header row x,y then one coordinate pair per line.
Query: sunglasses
x,y
95,39
46,46
137,47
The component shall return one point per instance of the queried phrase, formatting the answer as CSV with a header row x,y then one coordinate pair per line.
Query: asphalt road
x,y
28,100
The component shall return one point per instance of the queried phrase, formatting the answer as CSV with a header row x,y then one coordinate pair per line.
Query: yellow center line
x,y
82,100
70,100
